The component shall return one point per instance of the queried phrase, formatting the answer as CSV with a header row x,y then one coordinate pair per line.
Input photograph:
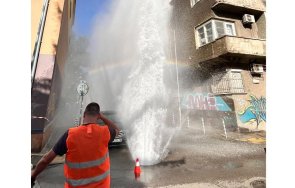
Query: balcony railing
x,y
236,6
228,46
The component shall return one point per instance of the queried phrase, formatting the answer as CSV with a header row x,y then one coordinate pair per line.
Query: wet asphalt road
x,y
194,160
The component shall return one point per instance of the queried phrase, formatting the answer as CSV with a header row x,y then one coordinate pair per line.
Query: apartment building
x,y
51,22
224,43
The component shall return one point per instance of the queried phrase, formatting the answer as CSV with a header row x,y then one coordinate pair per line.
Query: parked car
x,y
120,139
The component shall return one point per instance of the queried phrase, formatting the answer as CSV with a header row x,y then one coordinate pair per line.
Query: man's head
x,y
92,109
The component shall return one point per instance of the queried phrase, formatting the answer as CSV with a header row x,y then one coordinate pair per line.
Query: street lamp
x,y
82,90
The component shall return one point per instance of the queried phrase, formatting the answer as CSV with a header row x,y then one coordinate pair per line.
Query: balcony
x,y
232,46
255,7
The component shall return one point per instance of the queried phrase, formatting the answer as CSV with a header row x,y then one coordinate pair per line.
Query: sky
x,y
86,11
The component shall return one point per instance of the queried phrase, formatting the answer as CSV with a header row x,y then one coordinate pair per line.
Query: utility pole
x,y
82,90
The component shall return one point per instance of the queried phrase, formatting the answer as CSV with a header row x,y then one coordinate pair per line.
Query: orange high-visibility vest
x,y
87,161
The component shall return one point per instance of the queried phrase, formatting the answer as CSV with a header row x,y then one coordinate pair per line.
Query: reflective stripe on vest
x,y
88,164
85,181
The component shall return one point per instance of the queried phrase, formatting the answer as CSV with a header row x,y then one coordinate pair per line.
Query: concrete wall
x,y
250,108
239,111
261,26
251,4
244,110
185,19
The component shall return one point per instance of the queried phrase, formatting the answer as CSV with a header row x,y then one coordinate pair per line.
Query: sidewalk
x,y
255,137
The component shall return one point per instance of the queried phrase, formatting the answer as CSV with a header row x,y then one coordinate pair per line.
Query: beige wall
x,y
61,56
52,57
185,19
224,53
52,27
36,8
242,31
252,4
64,38
59,20
261,26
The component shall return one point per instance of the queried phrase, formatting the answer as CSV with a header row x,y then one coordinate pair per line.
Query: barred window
x,y
230,81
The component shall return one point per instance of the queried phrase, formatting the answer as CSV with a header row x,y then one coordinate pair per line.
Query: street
x,y
194,160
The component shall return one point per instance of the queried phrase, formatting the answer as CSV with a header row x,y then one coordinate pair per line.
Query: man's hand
x,y
99,116
42,164
109,123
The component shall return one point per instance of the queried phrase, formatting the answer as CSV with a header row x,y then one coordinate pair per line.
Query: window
x,y
213,30
209,32
193,2
229,29
230,81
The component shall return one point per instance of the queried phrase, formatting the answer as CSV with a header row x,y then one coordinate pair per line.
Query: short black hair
x,y
92,109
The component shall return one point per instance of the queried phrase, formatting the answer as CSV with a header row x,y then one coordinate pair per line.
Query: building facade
x,y
224,42
58,18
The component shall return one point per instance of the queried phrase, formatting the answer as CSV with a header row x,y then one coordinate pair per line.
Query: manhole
x,y
258,184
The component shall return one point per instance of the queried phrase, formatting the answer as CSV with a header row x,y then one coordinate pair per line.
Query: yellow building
x,y
51,23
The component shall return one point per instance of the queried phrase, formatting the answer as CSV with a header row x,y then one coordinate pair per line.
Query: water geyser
x,y
133,37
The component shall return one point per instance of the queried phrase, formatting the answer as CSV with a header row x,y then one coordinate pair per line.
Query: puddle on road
x,y
232,165
245,164
255,163
175,163
258,184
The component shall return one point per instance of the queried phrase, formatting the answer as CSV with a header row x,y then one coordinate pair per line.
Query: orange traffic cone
x,y
137,169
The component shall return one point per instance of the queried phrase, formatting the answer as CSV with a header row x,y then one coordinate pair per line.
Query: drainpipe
x,y
37,47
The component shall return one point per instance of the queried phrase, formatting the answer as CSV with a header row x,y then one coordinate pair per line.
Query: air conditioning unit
x,y
257,68
248,19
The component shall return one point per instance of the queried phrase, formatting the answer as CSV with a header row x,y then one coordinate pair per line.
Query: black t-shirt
x,y
60,148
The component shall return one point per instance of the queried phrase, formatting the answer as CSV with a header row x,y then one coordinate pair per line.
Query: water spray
x,y
224,128
141,92
177,79
188,122
204,130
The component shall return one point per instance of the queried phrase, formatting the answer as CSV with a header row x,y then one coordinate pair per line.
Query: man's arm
x,y
42,164
60,148
109,123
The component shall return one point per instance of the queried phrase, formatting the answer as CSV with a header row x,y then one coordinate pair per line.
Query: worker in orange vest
x,y
87,162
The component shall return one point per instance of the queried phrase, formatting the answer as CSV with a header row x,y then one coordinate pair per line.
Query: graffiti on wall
x,y
204,101
255,111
